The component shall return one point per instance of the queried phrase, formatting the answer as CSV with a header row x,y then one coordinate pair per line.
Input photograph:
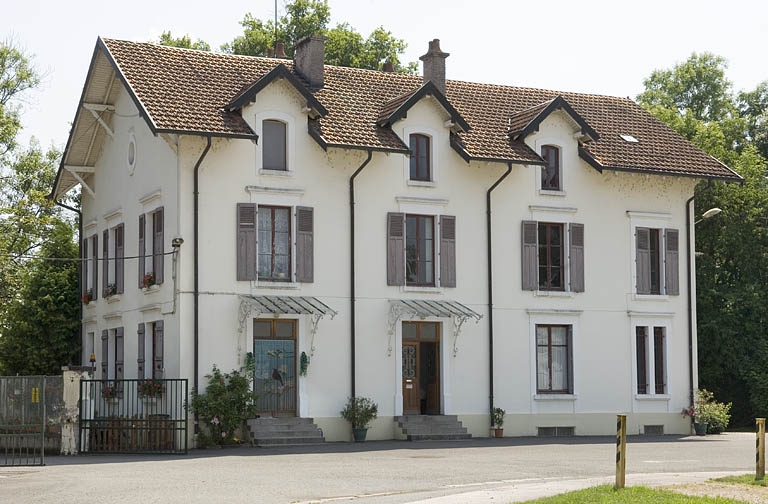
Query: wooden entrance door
x,y
274,351
421,368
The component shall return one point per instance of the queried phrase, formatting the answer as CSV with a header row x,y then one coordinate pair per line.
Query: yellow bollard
x,y
760,449
621,450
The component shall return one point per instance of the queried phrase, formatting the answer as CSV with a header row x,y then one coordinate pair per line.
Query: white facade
x,y
602,320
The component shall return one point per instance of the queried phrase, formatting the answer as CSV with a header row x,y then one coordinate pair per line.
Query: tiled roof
x,y
186,91
523,118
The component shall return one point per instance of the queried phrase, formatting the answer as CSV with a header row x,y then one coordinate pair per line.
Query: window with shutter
x,y
671,262
447,251
141,352
158,366
643,259
119,259
304,244
95,266
142,250
104,354
119,354
105,263
274,243
395,248
576,254
657,261
274,145
84,265
529,255
551,256
158,241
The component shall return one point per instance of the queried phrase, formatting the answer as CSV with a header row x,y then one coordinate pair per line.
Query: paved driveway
x,y
481,470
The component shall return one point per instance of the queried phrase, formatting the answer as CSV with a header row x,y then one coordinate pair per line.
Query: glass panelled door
x,y
274,351
421,368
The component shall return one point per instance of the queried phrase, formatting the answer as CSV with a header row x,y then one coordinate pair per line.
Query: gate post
x,y
760,449
71,414
621,450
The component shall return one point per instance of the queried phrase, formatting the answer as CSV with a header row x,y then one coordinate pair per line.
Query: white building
x,y
531,254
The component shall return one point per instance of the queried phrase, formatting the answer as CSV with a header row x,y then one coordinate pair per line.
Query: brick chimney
x,y
280,51
388,67
434,65
310,59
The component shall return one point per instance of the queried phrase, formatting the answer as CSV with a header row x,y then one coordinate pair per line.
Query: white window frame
x,y
433,156
651,220
564,149
431,207
570,318
554,215
290,142
650,321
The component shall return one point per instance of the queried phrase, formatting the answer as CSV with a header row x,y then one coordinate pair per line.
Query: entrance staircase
x,y
430,427
284,431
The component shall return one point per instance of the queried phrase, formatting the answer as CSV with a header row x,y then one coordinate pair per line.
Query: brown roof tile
x,y
186,90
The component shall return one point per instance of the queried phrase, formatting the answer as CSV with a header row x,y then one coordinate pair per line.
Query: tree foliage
x,y
344,46
41,332
184,42
28,221
697,100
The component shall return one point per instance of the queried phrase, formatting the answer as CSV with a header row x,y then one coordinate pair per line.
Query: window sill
x,y
266,284
650,297
276,173
546,293
421,183
114,298
151,289
555,397
652,397
414,288
550,192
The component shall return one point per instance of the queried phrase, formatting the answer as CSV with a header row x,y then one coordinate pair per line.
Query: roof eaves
x,y
459,147
426,89
215,134
280,71
557,104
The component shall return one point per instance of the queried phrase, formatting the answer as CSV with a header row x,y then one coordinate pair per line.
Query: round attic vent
x,y
131,155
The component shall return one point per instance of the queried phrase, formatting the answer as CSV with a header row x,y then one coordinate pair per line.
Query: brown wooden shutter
x,y
119,353
95,244
119,259
671,262
570,359
395,248
643,259
104,354
105,262
157,351
577,256
447,251
141,352
142,250
158,259
84,266
530,250
305,269
247,266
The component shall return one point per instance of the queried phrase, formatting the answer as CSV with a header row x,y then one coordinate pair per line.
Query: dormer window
x,y
420,158
550,173
274,145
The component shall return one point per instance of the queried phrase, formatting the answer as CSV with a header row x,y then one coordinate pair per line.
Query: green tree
x,y
41,329
184,42
696,99
344,47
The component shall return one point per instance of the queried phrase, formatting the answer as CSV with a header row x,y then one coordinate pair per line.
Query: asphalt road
x,y
480,470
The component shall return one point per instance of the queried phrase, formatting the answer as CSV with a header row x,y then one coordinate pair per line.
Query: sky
x,y
599,47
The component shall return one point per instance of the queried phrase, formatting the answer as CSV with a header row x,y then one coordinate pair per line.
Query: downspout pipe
x,y
79,263
689,248
490,287
195,246
352,268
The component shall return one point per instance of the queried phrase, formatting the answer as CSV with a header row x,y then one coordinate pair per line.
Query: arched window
x,y
550,174
273,138
420,158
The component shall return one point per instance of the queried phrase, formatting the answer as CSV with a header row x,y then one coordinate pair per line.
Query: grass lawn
x,y
744,479
631,495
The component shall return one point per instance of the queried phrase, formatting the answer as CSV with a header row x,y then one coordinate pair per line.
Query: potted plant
x,y
110,290
709,416
87,296
360,412
148,280
151,388
497,419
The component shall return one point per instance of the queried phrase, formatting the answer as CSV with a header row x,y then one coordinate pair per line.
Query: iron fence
x,y
133,416
22,420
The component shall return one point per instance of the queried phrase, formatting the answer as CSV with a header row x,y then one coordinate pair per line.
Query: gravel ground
x,y
746,493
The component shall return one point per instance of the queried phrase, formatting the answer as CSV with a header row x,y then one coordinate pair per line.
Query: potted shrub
x,y
360,412
110,290
148,280
497,419
709,416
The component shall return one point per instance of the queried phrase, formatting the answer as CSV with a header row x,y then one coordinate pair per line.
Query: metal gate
x,y
22,420
133,416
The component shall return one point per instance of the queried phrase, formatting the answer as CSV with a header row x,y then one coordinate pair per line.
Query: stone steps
x,y
432,427
284,431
